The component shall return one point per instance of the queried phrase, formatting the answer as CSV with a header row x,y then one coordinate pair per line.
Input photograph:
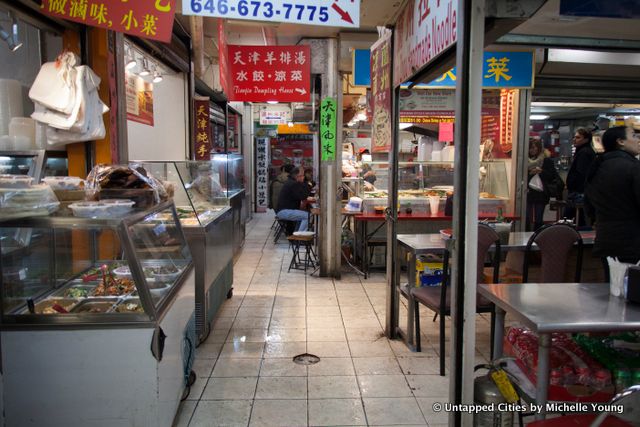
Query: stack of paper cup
x,y
434,204
10,103
24,127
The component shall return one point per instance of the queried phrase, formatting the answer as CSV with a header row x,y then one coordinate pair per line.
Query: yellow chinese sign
x,y
202,129
152,19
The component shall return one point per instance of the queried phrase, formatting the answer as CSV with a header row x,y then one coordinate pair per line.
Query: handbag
x,y
535,183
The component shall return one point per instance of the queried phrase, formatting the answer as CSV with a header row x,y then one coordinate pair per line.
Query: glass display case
x,y
79,270
35,163
418,180
230,169
96,304
200,193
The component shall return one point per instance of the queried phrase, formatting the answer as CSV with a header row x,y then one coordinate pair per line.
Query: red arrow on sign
x,y
345,15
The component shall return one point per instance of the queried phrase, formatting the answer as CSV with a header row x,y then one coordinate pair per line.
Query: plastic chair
x,y
438,298
629,399
555,242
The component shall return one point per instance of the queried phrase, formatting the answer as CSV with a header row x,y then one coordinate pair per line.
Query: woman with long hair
x,y
577,176
537,199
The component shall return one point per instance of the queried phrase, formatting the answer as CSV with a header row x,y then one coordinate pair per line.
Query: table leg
x,y
411,274
363,248
393,333
542,386
498,334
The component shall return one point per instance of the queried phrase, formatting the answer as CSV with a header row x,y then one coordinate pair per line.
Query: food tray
x,y
129,305
102,305
122,271
15,181
103,209
75,291
44,307
63,182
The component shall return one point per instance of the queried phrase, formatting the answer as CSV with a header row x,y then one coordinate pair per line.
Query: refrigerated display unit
x,y
35,163
96,318
200,192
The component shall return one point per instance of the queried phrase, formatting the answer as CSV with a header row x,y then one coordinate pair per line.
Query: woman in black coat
x,y
612,197
540,164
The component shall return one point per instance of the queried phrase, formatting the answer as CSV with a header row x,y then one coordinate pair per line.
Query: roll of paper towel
x,y
10,103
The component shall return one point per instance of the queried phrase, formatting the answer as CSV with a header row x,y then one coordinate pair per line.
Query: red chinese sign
x,y
151,19
270,73
222,55
381,94
202,129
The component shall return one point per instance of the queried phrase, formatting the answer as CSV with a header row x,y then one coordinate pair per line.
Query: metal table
x,y
558,307
419,244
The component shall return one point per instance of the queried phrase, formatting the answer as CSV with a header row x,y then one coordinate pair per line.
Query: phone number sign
x,y
339,13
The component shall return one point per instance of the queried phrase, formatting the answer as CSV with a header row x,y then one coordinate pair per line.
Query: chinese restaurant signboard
x,y
262,172
151,19
336,13
328,129
202,129
423,31
381,94
269,73
499,70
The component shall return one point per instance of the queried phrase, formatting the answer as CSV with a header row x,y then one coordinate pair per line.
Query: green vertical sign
x,y
328,129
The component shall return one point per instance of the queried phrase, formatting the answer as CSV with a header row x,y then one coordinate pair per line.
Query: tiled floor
x,y
246,376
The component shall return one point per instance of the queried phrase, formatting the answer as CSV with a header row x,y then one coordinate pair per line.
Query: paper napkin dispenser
x,y
633,285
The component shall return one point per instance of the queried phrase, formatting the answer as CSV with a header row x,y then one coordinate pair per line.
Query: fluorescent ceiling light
x,y
583,105
405,125
538,117
272,102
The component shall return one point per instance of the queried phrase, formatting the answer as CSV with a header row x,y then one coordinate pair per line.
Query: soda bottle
x,y
500,216
622,378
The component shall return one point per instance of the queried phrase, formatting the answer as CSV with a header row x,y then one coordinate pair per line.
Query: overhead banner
x,y
423,31
139,97
269,73
148,19
381,94
328,120
336,13
202,144
513,70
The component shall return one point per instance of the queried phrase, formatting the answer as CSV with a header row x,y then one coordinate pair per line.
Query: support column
x,y
470,42
330,173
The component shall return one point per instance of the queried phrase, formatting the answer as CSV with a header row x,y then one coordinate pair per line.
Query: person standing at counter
x,y
537,199
612,196
293,193
577,175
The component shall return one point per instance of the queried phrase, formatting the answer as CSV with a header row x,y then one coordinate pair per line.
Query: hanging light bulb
x,y
145,68
11,39
130,60
157,76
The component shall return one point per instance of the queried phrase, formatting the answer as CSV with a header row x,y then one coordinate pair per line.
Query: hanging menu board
x,y
381,94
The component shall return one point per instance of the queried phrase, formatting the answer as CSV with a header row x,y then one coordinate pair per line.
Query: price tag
x,y
503,383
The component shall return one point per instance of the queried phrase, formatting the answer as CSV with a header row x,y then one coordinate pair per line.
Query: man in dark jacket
x,y
293,192
276,186
613,194
577,175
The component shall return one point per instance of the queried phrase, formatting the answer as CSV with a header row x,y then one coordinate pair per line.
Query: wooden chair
x,y
555,242
438,299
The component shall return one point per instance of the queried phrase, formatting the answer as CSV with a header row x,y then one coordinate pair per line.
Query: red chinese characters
x,y
269,73
152,19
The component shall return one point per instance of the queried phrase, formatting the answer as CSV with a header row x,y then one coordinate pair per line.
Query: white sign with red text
x,y
425,28
336,13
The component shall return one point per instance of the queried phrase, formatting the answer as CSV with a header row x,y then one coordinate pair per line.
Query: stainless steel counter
x,y
558,307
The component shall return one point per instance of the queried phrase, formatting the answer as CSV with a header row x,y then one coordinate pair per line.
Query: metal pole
x,y
391,321
470,42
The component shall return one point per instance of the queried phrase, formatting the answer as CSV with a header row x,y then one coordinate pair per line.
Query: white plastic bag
x,y
535,183
617,272
54,86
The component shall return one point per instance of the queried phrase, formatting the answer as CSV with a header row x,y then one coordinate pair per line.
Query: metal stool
x,y
310,258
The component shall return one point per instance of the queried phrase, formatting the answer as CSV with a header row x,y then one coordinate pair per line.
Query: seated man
x,y
293,192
